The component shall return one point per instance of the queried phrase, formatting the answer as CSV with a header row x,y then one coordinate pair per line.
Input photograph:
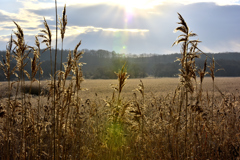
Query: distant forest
x,y
102,64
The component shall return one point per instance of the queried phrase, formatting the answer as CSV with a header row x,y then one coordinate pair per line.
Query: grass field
x,y
153,86
158,87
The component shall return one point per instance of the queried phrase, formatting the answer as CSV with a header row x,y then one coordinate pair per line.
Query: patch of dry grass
x,y
155,86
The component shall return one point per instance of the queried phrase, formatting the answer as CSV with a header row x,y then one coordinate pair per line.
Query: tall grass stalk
x,y
141,90
212,74
40,72
62,27
21,56
6,67
54,85
122,78
188,66
47,39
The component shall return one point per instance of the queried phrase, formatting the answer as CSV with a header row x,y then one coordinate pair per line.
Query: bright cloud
x,y
36,4
75,30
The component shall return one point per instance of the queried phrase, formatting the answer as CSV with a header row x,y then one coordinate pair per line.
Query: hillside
x,y
101,64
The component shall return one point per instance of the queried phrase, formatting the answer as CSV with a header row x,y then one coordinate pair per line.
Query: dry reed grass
x,y
190,122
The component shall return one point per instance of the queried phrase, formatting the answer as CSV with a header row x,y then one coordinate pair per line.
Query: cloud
x,y
217,2
37,4
149,30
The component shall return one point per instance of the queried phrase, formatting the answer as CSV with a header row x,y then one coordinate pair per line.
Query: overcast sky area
x,y
127,26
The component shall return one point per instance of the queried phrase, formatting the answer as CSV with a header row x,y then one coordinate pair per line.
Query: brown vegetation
x,y
197,119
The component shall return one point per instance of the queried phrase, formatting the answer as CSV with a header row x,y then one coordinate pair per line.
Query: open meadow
x,y
156,86
99,139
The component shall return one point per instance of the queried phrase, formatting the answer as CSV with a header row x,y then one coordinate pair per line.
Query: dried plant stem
x,y
61,56
54,99
141,90
6,67
185,46
40,72
213,85
188,69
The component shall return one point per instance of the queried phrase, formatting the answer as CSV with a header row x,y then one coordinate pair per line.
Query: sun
x,y
131,4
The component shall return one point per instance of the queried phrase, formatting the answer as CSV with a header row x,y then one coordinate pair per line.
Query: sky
x,y
127,26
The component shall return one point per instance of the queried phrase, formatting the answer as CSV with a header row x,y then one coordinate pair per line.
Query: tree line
x,y
102,64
